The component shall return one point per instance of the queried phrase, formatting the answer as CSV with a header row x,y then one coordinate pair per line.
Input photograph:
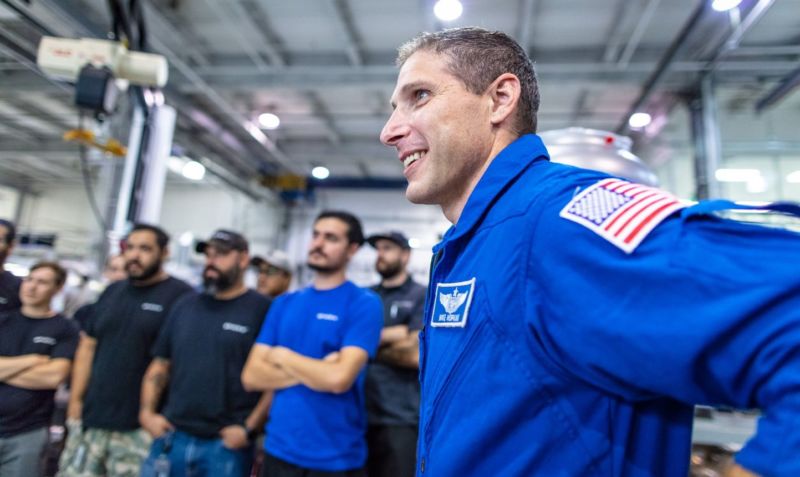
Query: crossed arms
x,y
270,368
33,371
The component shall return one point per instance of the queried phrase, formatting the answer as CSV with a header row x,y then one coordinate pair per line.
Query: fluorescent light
x,y
737,175
193,170
269,121
320,172
725,5
639,120
448,10
793,177
414,242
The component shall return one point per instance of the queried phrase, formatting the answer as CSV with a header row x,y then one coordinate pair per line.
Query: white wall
x,y
198,209
8,203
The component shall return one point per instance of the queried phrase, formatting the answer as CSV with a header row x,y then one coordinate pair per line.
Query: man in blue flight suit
x,y
572,318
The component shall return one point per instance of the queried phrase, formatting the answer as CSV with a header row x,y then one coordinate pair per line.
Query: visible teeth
x,y
411,159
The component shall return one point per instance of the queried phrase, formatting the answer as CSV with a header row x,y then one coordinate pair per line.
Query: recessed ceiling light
x,y
639,120
320,172
269,121
725,5
448,10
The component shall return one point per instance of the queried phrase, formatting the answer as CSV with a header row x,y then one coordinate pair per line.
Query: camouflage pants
x,y
99,453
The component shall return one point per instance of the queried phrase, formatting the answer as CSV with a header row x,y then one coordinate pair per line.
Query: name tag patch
x,y
451,304
228,326
44,340
327,317
152,307
621,212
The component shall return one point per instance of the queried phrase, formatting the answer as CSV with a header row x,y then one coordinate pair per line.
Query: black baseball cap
x,y
225,241
392,236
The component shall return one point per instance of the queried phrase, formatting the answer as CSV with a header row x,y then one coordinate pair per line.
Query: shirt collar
x,y
504,169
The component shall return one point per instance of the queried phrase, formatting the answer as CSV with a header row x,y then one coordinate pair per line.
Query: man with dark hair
x,y
208,425
573,318
36,350
392,386
311,353
9,284
103,413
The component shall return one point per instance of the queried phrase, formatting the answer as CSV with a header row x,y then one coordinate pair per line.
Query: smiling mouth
x,y
412,158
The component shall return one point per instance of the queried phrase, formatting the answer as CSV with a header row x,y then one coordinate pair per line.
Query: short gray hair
x,y
477,57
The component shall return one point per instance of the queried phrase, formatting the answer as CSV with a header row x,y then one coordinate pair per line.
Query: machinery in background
x,y
598,150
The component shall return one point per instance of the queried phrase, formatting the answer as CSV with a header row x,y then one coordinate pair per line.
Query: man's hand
x,y
74,410
155,424
234,437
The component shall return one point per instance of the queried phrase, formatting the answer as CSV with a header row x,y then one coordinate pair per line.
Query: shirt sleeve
x,y
269,329
68,341
704,311
364,323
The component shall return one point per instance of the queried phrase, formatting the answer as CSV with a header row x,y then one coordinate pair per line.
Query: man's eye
x,y
421,94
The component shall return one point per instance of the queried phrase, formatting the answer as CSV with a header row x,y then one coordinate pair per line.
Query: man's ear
x,y
504,93
165,253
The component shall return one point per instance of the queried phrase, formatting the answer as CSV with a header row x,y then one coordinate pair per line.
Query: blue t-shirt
x,y
311,429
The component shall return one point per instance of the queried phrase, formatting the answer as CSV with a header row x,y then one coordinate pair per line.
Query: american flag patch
x,y
621,212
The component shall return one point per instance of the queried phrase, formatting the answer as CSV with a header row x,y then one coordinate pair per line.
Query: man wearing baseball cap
x,y
208,425
274,273
392,386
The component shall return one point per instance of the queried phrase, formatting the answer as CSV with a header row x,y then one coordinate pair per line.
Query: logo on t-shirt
x,y
152,307
327,317
453,300
3,300
44,340
235,327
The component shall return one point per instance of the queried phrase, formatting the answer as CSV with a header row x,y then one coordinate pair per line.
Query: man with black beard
x,y
114,351
392,387
209,421
9,284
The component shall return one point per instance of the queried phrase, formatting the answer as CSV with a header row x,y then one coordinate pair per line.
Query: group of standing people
x,y
169,381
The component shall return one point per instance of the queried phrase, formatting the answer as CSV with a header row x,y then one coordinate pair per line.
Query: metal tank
x,y
598,150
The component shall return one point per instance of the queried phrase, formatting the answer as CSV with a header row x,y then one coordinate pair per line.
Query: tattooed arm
x,y
153,385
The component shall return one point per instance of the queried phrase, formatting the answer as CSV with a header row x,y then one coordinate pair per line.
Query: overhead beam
x,y
271,41
352,38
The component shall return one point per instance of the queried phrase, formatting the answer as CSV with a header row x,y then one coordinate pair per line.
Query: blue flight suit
x,y
549,351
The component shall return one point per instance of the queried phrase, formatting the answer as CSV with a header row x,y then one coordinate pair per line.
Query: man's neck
x,y
329,280
33,311
453,207
158,277
233,292
395,281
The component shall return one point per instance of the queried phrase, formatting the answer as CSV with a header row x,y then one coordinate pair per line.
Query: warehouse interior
x,y
278,107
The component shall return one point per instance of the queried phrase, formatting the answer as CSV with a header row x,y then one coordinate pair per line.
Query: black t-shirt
x,y
392,391
22,410
207,342
9,291
125,321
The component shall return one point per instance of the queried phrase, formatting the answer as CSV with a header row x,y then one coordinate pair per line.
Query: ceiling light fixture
x,y
320,172
448,10
725,5
194,171
269,121
639,120
793,177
